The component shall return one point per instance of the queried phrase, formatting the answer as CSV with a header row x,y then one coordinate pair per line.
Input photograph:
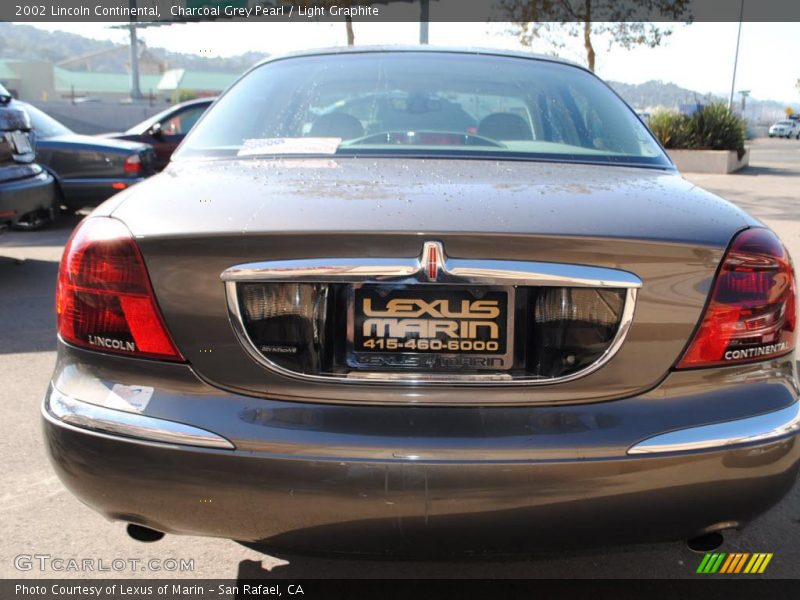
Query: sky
x,y
699,56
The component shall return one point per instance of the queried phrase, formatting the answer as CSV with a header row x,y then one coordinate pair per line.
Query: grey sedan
x,y
391,299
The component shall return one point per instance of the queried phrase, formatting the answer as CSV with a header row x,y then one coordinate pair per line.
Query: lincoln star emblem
x,y
432,259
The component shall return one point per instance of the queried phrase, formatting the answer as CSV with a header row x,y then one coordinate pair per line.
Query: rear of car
x,y
166,130
88,170
419,299
27,192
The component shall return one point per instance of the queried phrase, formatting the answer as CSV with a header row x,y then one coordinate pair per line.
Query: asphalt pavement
x,y
40,517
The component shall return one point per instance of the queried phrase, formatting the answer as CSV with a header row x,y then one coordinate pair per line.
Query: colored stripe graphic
x,y
703,564
765,563
741,562
718,564
711,563
753,564
737,562
758,563
730,561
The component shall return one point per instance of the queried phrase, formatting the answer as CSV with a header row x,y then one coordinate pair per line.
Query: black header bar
x,y
163,11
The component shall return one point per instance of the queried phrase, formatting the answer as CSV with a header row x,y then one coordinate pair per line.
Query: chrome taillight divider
x,y
432,266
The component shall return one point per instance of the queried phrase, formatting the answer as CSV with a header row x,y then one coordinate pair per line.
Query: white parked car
x,y
787,129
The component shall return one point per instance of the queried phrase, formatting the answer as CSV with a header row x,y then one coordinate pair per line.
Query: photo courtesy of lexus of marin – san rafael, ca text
x,y
399,298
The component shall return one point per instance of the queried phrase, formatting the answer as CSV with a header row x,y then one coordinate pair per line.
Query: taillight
x,y
752,312
104,300
132,164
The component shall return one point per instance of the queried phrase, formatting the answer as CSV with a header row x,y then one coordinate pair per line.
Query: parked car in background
x,y
87,169
786,129
27,191
483,312
167,129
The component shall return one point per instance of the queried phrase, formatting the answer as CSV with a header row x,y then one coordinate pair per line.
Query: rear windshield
x,y
423,104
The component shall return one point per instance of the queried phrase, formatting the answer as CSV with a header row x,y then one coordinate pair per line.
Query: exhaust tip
x,y
144,534
706,542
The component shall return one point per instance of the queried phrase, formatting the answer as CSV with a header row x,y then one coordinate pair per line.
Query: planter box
x,y
709,161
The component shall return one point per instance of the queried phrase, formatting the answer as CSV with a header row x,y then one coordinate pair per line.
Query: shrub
x,y
713,127
716,127
670,128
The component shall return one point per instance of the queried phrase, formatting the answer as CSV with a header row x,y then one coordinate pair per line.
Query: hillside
x,y
658,93
26,42
653,95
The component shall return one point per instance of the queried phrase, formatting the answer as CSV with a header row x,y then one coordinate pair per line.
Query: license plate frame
x,y
430,361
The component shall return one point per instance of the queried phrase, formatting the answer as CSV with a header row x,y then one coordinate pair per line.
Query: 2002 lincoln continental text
x,y
398,298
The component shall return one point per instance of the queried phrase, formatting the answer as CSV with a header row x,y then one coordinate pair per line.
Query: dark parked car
x,y
348,330
167,129
27,192
87,169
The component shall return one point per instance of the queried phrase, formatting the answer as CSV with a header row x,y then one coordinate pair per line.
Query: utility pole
x,y
136,92
424,20
736,57
744,94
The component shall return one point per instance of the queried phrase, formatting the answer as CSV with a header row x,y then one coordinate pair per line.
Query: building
x,y
180,83
70,85
28,79
41,81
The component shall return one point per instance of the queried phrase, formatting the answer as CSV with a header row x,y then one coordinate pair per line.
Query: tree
x,y
589,18
348,23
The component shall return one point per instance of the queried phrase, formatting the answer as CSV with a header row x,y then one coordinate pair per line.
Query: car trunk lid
x,y
212,216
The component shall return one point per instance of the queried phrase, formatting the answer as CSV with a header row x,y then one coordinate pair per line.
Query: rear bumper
x,y
23,196
392,478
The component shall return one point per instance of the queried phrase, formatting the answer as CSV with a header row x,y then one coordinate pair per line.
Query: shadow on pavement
x,y
55,234
27,292
772,171
28,271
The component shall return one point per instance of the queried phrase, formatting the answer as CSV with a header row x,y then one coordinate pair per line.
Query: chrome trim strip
x,y
761,428
485,272
540,273
61,409
331,270
488,272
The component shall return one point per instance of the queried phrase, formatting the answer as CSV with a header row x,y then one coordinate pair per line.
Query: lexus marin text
x,y
444,299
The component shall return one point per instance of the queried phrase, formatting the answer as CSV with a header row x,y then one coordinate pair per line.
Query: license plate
x,y
21,142
430,328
